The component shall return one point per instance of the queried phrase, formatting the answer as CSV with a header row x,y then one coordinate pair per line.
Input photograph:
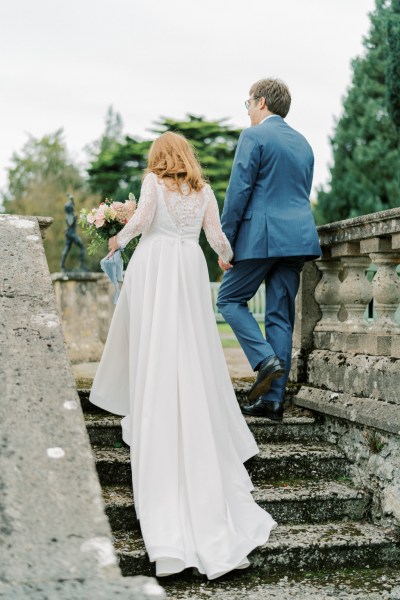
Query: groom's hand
x,y
224,266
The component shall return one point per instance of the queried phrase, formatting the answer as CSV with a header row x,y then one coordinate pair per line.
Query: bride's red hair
x,y
171,156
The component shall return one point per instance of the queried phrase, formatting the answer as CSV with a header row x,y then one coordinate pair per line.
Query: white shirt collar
x,y
269,116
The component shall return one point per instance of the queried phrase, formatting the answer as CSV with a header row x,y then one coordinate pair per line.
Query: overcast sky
x,y
62,63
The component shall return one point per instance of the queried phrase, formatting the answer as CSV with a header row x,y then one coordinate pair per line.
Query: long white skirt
x,y
164,368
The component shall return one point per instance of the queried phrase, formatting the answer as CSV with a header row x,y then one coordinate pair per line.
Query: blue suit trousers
x,y
239,284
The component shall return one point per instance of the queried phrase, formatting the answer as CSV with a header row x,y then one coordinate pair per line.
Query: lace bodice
x,y
167,212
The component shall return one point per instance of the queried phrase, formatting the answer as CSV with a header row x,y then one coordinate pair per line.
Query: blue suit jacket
x,y
267,210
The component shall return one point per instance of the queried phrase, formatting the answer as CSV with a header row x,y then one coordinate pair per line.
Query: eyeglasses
x,y
248,102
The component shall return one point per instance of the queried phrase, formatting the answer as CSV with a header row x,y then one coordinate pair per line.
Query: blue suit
x,y
268,220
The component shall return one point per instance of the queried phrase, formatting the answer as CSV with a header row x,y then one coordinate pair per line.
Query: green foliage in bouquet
x,y
105,221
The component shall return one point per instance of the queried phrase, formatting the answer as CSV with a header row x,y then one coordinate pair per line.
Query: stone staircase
x,y
324,542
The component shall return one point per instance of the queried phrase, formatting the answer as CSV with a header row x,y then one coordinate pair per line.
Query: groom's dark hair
x,y
276,94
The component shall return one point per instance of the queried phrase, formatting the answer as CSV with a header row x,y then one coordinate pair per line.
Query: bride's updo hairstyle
x,y
172,157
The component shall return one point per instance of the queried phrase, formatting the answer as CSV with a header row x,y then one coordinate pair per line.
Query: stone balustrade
x,y
345,292
346,361
349,299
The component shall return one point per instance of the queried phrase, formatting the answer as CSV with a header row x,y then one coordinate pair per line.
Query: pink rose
x,y
100,220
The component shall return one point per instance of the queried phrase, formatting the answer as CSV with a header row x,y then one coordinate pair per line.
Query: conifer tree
x,y
393,65
364,176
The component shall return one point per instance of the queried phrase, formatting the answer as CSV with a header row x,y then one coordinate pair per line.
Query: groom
x,y
268,220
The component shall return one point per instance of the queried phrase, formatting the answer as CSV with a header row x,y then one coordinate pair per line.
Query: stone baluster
x,y
386,287
385,284
327,294
355,291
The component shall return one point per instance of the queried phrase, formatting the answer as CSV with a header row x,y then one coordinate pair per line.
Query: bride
x,y
164,370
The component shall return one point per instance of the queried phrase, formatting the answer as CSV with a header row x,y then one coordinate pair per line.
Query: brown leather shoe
x,y
271,368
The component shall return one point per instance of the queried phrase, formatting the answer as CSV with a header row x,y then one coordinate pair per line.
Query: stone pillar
x,y
85,304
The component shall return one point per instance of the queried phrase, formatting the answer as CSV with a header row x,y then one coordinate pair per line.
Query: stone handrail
x,y
54,533
383,223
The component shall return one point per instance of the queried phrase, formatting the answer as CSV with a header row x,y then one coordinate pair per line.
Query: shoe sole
x,y
263,386
276,419
264,416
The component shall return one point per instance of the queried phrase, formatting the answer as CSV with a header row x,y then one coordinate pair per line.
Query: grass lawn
x,y
227,336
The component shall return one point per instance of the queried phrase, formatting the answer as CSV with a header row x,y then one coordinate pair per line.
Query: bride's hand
x,y
112,246
224,266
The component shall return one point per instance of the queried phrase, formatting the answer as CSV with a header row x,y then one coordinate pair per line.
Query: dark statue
x,y
71,236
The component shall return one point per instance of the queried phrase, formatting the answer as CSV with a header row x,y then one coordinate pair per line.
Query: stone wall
x,y
375,458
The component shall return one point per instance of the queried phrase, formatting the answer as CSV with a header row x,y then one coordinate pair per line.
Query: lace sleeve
x,y
144,213
212,228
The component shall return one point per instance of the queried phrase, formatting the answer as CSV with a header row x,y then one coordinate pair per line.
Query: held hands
x,y
224,266
112,246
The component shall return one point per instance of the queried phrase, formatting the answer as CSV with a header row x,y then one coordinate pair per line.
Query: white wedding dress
x,y
164,368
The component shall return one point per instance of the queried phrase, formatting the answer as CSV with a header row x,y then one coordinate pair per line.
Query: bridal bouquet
x,y
106,220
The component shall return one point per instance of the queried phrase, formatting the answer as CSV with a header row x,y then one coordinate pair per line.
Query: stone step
x,y
87,406
292,548
277,462
294,502
344,584
104,429
274,462
298,424
349,584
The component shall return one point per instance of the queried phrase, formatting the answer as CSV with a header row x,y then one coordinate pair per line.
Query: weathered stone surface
x,y
292,502
375,457
290,460
52,521
44,224
345,249
274,462
363,411
104,429
348,584
368,432
294,547
84,302
375,377
308,312
385,222
129,588
366,343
